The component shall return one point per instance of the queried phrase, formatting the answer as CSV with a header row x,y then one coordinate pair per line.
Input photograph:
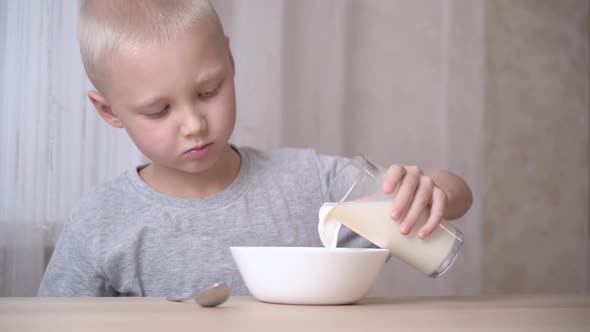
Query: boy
x,y
163,71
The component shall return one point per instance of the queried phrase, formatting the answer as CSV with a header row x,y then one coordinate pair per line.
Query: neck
x,y
178,183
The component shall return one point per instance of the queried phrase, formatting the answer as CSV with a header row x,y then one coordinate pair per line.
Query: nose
x,y
193,123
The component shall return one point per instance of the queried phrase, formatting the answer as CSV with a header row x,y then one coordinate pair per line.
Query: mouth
x,y
198,151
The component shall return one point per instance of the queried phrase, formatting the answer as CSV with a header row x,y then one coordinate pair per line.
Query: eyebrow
x,y
207,77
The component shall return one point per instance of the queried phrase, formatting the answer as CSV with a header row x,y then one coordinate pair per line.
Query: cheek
x,y
223,117
229,121
231,109
152,142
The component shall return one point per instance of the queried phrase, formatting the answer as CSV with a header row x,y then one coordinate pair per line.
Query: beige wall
x,y
535,149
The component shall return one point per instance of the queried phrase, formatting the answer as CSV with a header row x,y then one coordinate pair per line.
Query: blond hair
x,y
107,25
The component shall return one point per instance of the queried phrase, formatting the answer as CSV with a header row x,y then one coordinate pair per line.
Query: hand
x,y
415,193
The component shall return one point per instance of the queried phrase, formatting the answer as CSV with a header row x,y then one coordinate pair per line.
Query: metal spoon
x,y
211,296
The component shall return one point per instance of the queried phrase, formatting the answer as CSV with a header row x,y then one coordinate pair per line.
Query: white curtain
x,y
53,148
402,81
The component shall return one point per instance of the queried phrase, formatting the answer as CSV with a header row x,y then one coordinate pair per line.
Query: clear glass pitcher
x,y
355,199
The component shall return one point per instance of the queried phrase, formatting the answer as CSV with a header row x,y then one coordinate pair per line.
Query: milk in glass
x,y
371,219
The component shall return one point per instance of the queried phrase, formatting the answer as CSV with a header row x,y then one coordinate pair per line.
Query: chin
x,y
202,165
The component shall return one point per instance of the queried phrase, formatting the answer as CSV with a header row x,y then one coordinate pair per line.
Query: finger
x,y
437,209
395,174
406,190
422,197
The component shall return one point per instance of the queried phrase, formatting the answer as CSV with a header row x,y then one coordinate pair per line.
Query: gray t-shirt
x,y
126,239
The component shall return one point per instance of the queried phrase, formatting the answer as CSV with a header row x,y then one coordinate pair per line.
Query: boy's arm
x,y
73,269
459,196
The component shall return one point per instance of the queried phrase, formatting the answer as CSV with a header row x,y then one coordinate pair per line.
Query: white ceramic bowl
x,y
306,275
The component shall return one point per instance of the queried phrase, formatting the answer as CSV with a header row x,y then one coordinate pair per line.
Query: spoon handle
x,y
180,298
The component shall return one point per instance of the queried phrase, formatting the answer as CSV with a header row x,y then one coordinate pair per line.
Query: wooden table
x,y
483,313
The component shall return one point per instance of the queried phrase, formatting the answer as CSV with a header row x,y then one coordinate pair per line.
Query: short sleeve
x,y
73,268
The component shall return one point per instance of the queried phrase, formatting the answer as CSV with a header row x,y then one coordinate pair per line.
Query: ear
x,y
104,109
231,57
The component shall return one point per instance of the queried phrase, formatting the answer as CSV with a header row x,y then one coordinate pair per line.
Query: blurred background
x,y
497,91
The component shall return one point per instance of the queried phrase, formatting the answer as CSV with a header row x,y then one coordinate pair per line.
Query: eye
x,y
209,94
161,113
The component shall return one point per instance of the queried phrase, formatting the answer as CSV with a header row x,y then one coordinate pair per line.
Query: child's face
x,y
176,100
